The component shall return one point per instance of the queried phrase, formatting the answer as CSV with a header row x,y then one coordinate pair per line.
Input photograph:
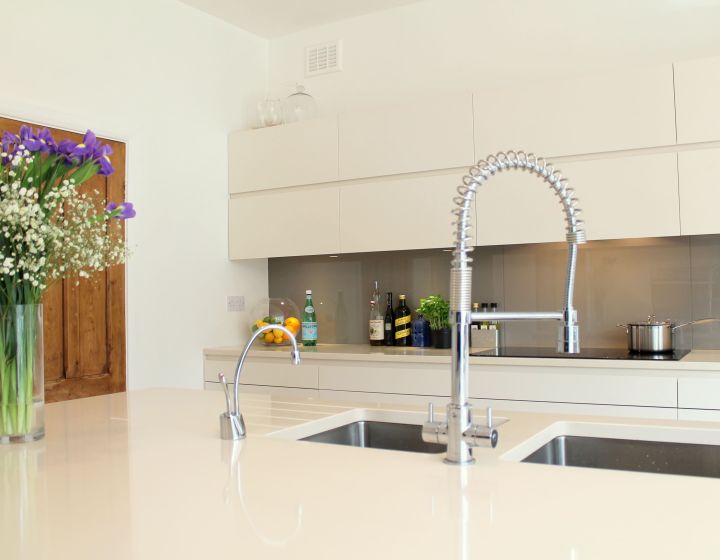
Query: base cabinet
x,y
595,391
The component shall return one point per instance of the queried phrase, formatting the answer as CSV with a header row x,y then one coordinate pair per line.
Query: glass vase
x,y
21,374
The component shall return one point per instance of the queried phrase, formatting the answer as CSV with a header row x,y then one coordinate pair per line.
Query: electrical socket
x,y
235,304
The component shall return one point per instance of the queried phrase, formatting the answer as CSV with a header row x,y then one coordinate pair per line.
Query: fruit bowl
x,y
279,311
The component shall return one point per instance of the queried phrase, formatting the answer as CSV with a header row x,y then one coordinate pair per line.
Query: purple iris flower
x,y
40,142
106,167
89,147
8,145
66,148
126,212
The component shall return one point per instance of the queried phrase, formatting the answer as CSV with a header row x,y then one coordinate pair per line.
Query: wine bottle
x,y
376,324
484,309
389,322
309,322
494,325
402,323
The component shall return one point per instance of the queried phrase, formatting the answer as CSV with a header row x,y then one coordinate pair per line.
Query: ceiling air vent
x,y
323,59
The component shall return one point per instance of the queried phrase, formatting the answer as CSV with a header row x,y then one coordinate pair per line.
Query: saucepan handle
x,y
698,322
623,326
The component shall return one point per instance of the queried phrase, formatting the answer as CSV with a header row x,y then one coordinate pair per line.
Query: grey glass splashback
x,y
617,281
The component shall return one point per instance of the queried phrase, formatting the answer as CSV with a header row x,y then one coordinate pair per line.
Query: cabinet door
x,y
282,156
403,379
284,223
697,90
578,116
270,372
699,392
699,173
417,136
620,198
549,384
398,213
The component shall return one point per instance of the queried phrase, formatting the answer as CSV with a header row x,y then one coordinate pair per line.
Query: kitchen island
x,y
144,475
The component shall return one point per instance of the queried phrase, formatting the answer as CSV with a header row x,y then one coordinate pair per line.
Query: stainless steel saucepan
x,y
655,336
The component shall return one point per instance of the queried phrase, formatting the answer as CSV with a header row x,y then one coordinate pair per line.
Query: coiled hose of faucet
x,y
461,271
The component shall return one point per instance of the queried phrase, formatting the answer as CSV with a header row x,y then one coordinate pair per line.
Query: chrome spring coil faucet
x,y
458,431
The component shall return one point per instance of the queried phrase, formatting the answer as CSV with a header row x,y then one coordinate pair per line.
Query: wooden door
x,y
84,322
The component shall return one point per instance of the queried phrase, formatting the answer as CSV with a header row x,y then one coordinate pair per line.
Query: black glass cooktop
x,y
587,353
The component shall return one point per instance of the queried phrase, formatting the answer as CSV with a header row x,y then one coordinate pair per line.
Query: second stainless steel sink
x,y
378,435
665,457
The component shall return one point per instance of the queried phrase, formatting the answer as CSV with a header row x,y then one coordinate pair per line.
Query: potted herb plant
x,y
437,311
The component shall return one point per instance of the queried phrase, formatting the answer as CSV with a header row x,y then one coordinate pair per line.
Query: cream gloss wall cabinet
x,y
284,223
699,172
370,210
300,153
610,192
591,114
419,135
697,91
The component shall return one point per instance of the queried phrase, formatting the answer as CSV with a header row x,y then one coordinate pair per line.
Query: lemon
x,y
268,337
277,333
278,340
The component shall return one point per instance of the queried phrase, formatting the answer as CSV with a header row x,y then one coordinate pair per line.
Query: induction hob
x,y
587,353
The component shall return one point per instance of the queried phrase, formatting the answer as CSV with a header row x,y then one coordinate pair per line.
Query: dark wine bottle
x,y
402,323
389,322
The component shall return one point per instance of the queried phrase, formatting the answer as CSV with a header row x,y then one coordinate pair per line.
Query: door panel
x,y
84,322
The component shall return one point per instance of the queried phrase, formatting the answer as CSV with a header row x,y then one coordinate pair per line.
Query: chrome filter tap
x,y
232,425
458,431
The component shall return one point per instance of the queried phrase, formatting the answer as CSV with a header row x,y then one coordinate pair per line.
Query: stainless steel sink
x,y
692,459
378,435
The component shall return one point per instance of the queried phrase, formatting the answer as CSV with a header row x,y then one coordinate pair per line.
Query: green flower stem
x,y
18,339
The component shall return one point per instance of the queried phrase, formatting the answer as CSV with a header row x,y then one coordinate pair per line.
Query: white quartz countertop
x,y
696,360
144,475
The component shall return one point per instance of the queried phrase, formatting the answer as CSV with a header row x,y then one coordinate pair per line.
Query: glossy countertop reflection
x,y
144,475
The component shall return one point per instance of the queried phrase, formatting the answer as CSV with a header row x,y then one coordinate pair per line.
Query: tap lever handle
x,y
431,412
489,417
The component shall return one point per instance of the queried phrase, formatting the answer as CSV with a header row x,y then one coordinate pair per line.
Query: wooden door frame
x,y
116,307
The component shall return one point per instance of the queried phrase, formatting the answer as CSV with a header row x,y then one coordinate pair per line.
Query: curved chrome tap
x,y
232,425
458,432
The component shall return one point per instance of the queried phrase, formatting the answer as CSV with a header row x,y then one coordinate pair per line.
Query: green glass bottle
x,y
309,322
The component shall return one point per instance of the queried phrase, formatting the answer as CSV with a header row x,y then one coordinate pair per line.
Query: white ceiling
x,y
273,18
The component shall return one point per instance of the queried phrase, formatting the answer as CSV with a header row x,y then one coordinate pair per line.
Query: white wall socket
x,y
235,304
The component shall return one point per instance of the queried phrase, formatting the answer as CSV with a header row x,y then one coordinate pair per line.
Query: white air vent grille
x,y
323,59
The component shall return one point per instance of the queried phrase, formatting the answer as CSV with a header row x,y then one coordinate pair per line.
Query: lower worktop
x,y
695,360
144,475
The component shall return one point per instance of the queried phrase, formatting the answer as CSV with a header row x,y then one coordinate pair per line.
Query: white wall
x,y
454,45
171,82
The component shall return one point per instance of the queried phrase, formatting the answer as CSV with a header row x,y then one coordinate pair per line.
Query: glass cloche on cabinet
x,y
300,105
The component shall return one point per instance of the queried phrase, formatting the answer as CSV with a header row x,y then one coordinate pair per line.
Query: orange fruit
x,y
292,322
278,340
277,333
268,337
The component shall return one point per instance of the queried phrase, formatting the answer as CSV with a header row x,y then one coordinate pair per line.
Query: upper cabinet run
x,y
282,156
420,135
586,115
697,91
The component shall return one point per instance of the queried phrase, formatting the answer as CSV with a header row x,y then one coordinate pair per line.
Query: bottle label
x,y
376,329
309,330
309,309
400,321
404,333
388,327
